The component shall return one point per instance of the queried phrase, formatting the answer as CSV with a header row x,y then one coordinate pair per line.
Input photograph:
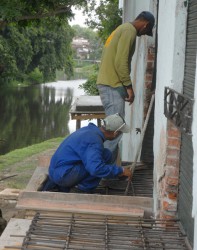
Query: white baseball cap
x,y
115,123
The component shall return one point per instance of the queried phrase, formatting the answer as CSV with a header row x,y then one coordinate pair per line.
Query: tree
x,y
104,17
89,86
52,49
93,39
23,11
35,34
44,47
16,54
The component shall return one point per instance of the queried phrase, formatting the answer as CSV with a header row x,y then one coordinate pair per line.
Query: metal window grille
x,y
179,109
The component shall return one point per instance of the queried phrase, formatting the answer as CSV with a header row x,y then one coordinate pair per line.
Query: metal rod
x,y
82,231
140,144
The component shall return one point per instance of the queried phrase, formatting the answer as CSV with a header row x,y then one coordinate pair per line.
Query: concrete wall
x,y
132,8
135,112
170,73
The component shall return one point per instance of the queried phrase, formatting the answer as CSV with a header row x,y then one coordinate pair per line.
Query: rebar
x,y
84,231
142,184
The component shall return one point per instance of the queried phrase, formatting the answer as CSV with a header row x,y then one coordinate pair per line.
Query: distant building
x,y
82,47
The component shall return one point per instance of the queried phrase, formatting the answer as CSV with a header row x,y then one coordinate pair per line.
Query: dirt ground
x,y
17,176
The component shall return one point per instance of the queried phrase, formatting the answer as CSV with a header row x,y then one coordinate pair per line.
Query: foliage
x,y
20,154
21,163
25,12
45,47
14,45
89,86
84,32
93,38
35,77
35,34
104,17
52,49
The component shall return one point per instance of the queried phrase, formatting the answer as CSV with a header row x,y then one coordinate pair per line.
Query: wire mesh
x,y
82,231
142,184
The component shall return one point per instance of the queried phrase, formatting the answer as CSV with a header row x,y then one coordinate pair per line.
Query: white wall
x,y
134,113
131,9
170,72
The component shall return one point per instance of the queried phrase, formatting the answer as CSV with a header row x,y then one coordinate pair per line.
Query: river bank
x,y
17,167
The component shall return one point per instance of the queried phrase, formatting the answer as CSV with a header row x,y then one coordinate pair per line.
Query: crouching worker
x,y
81,160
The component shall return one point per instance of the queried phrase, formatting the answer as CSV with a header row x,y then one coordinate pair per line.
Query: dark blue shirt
x,y
84,146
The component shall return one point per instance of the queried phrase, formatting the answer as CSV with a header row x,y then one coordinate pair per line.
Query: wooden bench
x,y
87,107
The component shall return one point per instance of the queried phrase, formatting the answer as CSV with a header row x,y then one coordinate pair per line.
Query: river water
x,y
34,114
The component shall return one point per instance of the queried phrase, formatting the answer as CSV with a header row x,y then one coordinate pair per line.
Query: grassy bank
x,y
19,155
17,167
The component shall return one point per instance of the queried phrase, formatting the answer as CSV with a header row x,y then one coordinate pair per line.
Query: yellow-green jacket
x,y
116,57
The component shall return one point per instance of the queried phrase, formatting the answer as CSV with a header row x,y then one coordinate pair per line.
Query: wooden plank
x,y
78,124
85,203
72,111
37,179
87,116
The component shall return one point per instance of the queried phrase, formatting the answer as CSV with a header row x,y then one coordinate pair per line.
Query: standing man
x,y
81,160
113,82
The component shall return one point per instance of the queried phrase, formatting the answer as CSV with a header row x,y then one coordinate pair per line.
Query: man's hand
x,y
131,95
127,172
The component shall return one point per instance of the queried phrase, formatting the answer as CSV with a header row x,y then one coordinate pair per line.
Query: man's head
x,y
114,125
144,23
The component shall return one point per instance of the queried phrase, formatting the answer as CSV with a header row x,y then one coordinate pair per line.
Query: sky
x,y
79,18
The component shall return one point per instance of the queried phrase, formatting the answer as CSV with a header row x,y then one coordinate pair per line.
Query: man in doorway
x,y
81,161
113,82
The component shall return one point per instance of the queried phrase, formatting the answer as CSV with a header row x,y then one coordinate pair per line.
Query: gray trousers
x,y
113,103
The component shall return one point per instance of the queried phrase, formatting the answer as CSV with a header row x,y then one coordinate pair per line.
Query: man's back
x,y
73,149
117,52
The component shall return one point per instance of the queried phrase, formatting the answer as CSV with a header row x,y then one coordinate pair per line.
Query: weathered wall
x,y
132,8
170,72
135,112
169,181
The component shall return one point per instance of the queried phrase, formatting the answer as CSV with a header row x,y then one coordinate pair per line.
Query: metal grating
x,y
185,198
142,184
50,231
178,108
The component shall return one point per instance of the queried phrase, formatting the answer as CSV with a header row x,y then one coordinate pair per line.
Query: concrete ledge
x,y
16,227
88,103
85,203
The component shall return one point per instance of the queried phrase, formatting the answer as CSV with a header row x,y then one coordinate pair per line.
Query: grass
x,y
19,155
20,164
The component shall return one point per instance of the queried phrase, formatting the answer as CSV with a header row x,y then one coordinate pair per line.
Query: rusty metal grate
x,y
50,231
142,184
179,109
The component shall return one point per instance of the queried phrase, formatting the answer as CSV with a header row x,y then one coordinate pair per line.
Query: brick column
x,y
148,78
170,181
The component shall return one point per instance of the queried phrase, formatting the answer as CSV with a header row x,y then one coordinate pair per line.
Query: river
x,y
34,114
